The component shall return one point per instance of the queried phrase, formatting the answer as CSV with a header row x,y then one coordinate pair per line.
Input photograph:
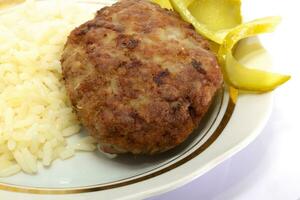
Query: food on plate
x,y
163,3
225,29
139,77
216,14
217,35
36,116
240,76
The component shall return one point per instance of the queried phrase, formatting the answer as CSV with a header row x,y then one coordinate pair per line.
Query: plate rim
x,y
100,187
192,175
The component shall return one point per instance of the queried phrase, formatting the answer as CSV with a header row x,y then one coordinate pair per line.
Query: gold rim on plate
x,y
56,191
34,190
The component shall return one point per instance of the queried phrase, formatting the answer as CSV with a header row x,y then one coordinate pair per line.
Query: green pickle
x,y
203,29
211,18
217,14
236,74
164,3
220,21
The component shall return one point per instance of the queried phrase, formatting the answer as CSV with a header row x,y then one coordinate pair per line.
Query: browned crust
x,y
139,77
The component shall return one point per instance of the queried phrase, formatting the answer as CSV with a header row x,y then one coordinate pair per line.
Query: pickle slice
x,y
220,21
211,18
234,94
164,3
181,8
240,76
217,14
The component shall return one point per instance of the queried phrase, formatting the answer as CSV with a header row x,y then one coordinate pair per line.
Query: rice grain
x,y
36,116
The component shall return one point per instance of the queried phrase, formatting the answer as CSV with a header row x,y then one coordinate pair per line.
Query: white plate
x,y
226,129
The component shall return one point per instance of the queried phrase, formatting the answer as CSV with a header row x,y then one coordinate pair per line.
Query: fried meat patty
x,y
139,77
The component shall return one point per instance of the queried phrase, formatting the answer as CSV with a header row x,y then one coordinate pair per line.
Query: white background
x,y
269,168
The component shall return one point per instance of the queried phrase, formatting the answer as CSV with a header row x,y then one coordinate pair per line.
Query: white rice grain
x,y
36,116
68,152
11,170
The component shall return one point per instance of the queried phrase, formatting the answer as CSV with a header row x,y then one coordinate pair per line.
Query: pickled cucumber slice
x,y
211,18
236,74
164,3
220,21
217,14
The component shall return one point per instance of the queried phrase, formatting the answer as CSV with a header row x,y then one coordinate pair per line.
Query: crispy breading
x,y
139,77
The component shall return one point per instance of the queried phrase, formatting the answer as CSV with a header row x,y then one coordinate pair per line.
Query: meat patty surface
x,y
139,77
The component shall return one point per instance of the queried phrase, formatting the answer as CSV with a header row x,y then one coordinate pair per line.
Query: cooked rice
x,y
36,117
